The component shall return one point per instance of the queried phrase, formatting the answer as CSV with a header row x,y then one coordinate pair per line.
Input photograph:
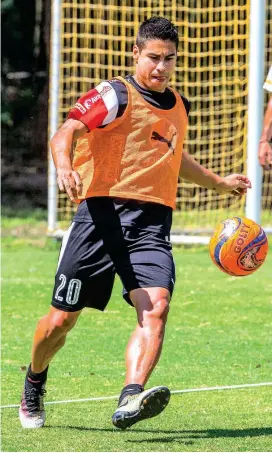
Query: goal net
x,y
212,72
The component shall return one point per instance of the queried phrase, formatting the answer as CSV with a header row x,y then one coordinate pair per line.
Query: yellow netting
x,y
96,43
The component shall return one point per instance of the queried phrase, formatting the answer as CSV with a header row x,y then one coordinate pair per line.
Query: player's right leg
x,y
49,337
84,278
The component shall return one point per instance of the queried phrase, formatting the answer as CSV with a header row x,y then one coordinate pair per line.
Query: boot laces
x,y
127,399
34,398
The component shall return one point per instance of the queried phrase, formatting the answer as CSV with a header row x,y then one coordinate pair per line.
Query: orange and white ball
x,y
238,246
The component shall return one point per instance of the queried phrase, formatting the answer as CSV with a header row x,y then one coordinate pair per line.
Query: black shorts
x,y
90,257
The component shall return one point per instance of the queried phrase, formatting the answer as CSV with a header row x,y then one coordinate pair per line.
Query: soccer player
x,y
265,148
129,135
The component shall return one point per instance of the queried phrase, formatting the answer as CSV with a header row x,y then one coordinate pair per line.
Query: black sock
x,y
130,389
36,378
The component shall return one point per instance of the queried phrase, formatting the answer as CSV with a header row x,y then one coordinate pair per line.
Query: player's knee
x,y
160,309
61,322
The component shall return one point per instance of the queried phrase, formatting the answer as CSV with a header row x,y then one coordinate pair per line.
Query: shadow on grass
x,y
185,435
207,434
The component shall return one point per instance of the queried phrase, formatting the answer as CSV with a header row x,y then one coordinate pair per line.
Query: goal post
x,y
92,41
54,90
255,106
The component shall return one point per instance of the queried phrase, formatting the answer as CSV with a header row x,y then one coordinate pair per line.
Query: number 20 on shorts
x,y
73,290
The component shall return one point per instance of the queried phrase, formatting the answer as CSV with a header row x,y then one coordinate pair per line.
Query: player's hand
x,y
235,184
69,181
265,154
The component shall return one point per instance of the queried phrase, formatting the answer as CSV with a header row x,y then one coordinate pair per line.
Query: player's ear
x,y
136,53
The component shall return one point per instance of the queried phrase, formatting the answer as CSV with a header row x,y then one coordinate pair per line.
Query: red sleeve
x,y
96,108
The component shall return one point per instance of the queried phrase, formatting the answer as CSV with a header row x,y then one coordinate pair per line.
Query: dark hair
x,y
156,28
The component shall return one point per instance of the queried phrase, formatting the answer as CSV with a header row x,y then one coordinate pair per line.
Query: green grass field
x,y
218,333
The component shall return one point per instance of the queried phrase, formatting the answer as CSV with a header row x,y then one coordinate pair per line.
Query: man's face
x,y
155,64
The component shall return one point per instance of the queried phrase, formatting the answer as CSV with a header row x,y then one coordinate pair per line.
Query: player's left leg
x,y
145,345
142,354
143,259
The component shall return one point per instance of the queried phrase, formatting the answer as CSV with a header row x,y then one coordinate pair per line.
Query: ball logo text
x,y
241,238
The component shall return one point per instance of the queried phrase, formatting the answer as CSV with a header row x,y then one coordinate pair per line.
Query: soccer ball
x,y
238,246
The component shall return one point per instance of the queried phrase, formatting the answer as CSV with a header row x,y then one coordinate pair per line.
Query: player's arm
x,y
192,171
62,149
97,108
265,149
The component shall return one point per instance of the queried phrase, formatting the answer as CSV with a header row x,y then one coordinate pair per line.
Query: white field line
x,y
173,392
